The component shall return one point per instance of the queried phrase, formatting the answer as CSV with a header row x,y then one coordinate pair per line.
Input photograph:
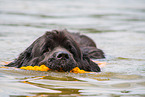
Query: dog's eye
x,y
46,50
71,48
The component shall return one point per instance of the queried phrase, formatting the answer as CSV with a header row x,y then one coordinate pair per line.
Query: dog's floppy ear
x,y
23,58
88,65
94,67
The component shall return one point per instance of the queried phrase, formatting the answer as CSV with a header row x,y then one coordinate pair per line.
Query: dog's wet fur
x,y
59,49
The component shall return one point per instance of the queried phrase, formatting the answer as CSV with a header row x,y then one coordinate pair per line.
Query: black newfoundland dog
x,y
61,49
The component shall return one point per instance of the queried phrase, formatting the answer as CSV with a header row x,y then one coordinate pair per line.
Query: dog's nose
x,y
62,55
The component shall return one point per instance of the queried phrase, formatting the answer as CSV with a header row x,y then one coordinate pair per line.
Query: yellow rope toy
x,y
44,68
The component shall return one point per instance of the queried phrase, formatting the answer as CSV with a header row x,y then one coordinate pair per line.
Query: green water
x,y
117,27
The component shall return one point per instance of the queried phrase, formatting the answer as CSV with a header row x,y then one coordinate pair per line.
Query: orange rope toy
x,y
44,68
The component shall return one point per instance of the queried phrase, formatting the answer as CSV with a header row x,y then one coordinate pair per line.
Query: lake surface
x,y
117,27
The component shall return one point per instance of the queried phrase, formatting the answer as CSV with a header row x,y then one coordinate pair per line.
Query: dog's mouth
x,y
59,60
59,64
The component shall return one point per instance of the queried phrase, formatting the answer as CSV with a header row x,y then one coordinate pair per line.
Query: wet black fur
x,y
43,50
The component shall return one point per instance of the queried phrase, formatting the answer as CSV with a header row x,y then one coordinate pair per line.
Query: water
x,y
117,26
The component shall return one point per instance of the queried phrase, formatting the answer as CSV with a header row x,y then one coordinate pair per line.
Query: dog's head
x,y
58,51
